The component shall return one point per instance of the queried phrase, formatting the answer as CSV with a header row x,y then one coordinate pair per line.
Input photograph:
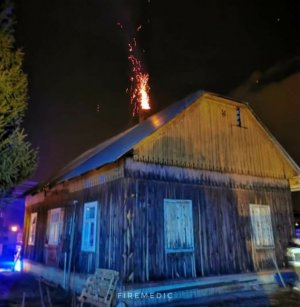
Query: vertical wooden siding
x,y
221,227
131,229
206,136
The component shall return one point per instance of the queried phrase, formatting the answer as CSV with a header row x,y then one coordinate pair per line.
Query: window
x,y
88,242
262,232
54,219
179,235
32,228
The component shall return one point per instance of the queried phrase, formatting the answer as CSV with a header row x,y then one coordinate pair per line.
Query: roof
x,y
117,146
21,189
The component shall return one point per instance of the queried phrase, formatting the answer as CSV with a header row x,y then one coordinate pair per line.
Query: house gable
x,y
216,134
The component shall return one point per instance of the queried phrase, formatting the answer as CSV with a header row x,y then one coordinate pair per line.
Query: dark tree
x,y
17,159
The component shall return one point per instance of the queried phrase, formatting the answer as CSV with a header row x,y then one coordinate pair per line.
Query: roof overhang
x,y
295,183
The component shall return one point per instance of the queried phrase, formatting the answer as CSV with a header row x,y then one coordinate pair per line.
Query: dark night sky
x,y
76,59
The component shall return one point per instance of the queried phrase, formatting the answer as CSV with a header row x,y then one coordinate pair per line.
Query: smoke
x,y
258,79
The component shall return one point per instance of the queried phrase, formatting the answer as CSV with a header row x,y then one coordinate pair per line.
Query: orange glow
x,y
156,121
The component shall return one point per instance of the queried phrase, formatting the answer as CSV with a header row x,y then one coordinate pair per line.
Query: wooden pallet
x,y
100,288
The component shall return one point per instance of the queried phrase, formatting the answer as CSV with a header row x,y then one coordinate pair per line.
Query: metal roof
x,y
114,148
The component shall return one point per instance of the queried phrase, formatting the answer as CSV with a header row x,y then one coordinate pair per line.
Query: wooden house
x,y
198,189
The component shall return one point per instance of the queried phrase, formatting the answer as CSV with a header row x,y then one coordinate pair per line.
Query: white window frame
x,y
32,228
54,227
261,225
172,227
88,224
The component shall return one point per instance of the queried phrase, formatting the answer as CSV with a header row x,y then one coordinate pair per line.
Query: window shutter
x,y
262,232
178,221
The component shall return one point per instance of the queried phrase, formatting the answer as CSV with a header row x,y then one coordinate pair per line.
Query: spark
x,y
119,25
139,89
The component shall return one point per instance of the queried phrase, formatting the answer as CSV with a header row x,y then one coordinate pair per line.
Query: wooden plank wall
x,y
221,225
37,252
206,136
131,229
116,202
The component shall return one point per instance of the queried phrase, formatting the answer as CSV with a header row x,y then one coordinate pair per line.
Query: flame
x,y
139,91
140,85
143,91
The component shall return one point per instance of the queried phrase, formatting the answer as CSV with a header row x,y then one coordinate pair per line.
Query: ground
x,y
13,285
282,298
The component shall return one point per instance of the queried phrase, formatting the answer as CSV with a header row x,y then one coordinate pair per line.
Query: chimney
x,y
143,114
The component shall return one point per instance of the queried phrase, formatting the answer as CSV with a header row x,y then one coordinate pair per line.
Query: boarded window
x,y
88,242
54,219
32,228
179,236
262,232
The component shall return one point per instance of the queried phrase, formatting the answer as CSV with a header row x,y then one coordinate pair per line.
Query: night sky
x,y
76,61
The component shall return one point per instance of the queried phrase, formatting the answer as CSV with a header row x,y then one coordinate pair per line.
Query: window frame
x,y
32,229
85,247
53,239
261,226
188,227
